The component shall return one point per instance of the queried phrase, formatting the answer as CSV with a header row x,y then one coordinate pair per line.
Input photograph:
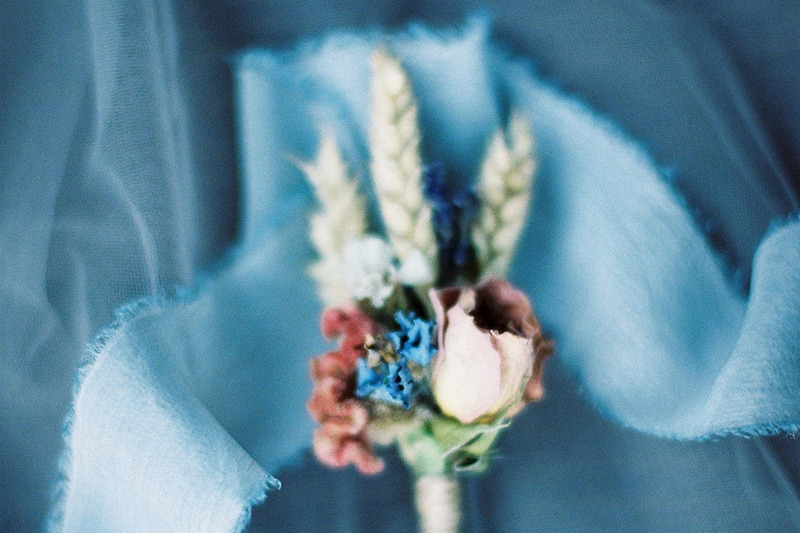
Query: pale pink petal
x,y
516,365
338,452
340,427
331,322
342,440
357,414
350,420
442,300
543,348
466,380
329,364
353,326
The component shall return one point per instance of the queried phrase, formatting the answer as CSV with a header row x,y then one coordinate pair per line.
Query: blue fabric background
x,y
88,225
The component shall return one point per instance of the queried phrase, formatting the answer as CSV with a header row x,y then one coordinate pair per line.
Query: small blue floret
x,y
414,341
393,382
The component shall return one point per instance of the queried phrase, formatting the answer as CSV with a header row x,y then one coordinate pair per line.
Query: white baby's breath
x,y
396,162
368,269
370,272
415,271
340,219
505,185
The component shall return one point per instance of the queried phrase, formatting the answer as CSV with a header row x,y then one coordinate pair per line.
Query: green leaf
x,y
422,453
454,436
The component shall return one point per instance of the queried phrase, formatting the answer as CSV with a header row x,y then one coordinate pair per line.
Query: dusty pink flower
x,y
490,347
339,452
352,325
342,439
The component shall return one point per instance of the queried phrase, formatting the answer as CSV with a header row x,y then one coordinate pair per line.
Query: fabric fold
x,y
186,400
144,455
643,309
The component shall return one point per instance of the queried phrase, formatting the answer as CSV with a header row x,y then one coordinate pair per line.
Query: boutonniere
x,y
436,351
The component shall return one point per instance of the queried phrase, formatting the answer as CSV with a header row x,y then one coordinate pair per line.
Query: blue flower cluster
x,y
414,340
393,381
452,219
387,382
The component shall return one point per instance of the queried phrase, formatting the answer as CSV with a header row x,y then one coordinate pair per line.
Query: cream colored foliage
x,y
505,185
396,162
340,219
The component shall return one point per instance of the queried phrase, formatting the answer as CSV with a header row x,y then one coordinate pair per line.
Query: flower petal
x,y
415,270
516,364
466,380
504,308
442,300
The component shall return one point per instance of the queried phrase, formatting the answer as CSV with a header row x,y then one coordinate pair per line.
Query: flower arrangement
x,y
437,353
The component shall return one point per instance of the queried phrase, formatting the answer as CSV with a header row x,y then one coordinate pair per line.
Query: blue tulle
x,y
187,401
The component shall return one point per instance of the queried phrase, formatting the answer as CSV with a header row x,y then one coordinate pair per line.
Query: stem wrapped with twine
x,y
436,491
438,501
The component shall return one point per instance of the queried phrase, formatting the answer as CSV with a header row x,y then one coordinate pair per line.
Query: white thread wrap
x,y
438,500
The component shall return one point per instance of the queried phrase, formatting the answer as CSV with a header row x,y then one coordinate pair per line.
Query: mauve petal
x,y
501,303
534,391
505,308
466,380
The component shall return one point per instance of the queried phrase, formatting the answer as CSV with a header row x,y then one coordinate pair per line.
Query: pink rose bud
x,y
490,351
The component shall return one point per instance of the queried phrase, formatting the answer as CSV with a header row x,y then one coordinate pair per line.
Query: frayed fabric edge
x,y
148,305
476,26
259,496
123,317
738,276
